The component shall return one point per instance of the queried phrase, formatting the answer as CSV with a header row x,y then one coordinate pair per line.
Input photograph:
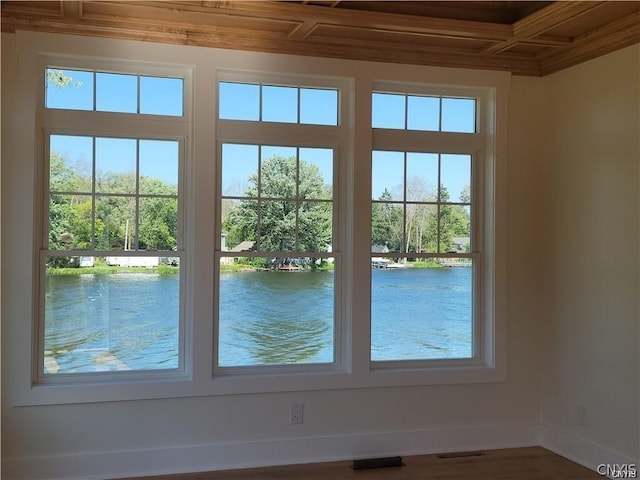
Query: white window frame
x,y
98,124
488,362
266,133
442,142
201,68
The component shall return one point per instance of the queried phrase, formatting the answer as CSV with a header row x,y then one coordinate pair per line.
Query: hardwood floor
x,y
531,463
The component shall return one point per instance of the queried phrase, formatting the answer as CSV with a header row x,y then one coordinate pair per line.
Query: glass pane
x,y
159,167
115,223
387,172
422,311
239,170
115,165
158,224
161,96
318,107
278,226
423,113
287,319
455,178
70,163
387,227
278,172
69,89
239,101
459,115
116,93
315,221
388,111
111,314
422,177
69,222
240,224
280,104
316,173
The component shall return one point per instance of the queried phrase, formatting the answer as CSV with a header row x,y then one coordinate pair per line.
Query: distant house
x,y
133,261
246,246
380,262
379,249
86,261
460,244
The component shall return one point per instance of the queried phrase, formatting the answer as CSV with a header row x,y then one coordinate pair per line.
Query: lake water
x,y
130,321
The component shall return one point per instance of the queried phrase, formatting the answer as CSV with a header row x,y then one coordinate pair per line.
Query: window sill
x,y
148,387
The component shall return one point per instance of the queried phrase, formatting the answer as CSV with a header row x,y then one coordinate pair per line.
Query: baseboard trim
x,y
224,456
578,449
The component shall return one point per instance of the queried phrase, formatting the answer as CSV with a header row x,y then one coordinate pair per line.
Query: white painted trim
x,y
580,450
297,450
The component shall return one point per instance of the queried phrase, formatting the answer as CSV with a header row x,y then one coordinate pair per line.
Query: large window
x,y
306,232
278,269
424,251
112,243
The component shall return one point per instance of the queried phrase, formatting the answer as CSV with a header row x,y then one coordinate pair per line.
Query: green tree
x,y
158,215
64,207
293,216
74,224
387,222
452,221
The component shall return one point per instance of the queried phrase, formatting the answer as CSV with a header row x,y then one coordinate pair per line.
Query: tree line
x,y
424,227
115,217
427,226
293,217
283,224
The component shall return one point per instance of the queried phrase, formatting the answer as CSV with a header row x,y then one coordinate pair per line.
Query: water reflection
x,y
274,318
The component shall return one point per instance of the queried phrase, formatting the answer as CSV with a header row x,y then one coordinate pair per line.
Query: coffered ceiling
x,y
526,38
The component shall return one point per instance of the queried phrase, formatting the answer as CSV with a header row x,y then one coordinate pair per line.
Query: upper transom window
x,y
114,92
422,112
278,103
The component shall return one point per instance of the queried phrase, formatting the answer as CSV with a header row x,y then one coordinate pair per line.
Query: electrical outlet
x,y
297,413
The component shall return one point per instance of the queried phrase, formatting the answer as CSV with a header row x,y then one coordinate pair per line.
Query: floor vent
x,y
377,463
460,454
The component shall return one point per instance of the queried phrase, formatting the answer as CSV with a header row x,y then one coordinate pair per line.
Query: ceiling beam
x,y
343,17
71,9
318,29
534,25
613,36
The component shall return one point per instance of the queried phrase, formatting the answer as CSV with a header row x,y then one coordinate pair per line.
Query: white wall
x,y
590,157
110,439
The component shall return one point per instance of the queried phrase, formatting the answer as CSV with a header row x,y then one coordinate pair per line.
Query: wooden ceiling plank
x,y
149,12
609,38
547,41
344,17
11,9
552,16
273,42
71,9
542,21
302,30
288,28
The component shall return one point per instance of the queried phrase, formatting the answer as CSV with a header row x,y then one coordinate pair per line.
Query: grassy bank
x,y
425,264
110,270
104,269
